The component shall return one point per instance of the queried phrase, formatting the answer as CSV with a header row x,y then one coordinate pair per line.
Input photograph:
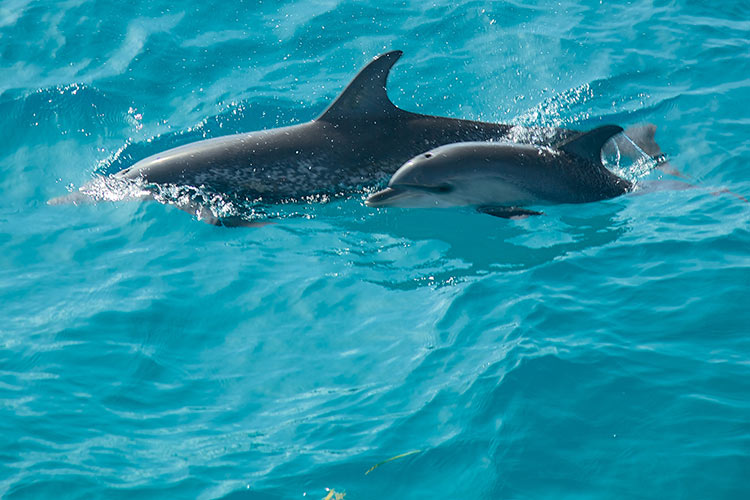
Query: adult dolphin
x,y
359,140
501,178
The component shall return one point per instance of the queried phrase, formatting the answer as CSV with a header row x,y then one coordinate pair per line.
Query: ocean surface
x,y
598,351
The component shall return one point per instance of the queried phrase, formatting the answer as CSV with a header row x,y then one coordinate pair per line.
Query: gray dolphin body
x,y
359,140
500,178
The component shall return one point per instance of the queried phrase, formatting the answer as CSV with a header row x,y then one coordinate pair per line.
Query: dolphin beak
x,y
388,197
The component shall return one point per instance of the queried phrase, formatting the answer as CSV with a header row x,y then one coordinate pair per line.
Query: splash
x,y
559,110
632,166
622,154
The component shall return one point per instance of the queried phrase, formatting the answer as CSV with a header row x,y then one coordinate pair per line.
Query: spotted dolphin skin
x,y
501,178
359,140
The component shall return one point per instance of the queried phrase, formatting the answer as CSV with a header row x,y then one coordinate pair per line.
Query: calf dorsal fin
x,y
589,144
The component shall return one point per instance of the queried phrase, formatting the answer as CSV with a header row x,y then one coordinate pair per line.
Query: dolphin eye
x,y
428,155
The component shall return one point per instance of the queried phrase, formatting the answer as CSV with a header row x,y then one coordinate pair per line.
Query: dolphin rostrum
x,y
359,140
500,178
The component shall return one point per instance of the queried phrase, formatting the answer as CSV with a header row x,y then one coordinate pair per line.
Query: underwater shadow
x,y
441,247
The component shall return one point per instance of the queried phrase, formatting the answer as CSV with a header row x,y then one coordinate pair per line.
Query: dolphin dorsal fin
x,y
589,144
365,97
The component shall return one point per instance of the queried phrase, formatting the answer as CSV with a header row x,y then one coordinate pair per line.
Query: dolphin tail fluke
x,y
644,136
74,198
642,140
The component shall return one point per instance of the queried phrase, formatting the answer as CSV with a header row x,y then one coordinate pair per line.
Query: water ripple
x,y
600,350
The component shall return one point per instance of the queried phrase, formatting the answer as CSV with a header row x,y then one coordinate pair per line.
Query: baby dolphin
x,y
501,177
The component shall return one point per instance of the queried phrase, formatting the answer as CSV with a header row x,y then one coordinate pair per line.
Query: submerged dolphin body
x,y
359,140
500,178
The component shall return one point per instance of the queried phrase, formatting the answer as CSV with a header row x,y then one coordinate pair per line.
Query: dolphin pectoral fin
x,y
589,144
365,96
233,221
237,221
230,220
508,212
204,214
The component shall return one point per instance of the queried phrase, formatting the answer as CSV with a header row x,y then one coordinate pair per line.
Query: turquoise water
x,y
599,351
